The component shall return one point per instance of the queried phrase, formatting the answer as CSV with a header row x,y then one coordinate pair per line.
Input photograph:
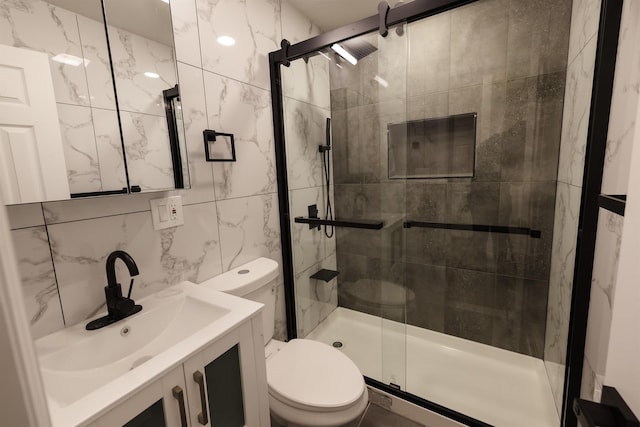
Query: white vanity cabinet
x,y
155,405
223,384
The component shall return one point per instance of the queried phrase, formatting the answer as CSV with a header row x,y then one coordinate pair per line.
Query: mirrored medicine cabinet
x,y
88,108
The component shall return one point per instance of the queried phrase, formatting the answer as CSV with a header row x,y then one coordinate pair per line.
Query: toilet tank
x,y
255,280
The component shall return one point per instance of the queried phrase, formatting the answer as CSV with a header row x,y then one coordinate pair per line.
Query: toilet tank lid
x,y
245,279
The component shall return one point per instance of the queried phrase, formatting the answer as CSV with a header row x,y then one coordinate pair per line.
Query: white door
x,y
32,165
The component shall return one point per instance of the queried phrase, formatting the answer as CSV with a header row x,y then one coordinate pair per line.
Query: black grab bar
x,y
536,234
353,223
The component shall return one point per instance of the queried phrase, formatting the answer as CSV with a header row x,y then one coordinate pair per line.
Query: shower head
x,y
358,47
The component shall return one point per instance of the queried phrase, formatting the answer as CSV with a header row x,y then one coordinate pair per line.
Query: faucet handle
x,y
130,289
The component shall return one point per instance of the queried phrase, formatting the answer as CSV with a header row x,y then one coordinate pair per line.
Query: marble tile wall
x,y
577,100
306,108
603,282
505,60
614,181
231,211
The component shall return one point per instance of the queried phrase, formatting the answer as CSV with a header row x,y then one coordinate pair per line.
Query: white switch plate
x,y
166,212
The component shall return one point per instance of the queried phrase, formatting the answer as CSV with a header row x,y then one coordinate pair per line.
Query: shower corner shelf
x,y
325,275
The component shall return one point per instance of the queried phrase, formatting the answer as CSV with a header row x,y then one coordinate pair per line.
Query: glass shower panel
x,y
479,151
362,311
366,97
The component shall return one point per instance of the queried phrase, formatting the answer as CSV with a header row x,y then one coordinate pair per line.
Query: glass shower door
x,y
366,97
337,104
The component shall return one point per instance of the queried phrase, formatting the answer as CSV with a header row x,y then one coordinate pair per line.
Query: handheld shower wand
x,y
326,158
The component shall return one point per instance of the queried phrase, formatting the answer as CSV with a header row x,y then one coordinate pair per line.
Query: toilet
x,y
310,383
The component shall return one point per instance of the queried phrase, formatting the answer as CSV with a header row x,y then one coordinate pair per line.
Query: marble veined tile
x,y
249,229
94,47
280,332
244,111
37,25
165,257
585,20
563,254
296,27
254,25
185,31
315,299
304,131
39,287
146,141
309,245
109,147
304,81
133,56
555,373
194,115
603,281
80,151
26,215
575,123
626,91
308,81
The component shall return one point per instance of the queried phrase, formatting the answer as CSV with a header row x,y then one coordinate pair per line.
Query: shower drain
x,y
337,344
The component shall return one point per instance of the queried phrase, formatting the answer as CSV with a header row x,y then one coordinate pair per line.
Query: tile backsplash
x,y
231,210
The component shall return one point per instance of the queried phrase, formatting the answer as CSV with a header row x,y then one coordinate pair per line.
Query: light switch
x,y
163,212
166,212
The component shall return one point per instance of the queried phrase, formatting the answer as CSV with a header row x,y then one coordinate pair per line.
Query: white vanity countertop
x,y
87,373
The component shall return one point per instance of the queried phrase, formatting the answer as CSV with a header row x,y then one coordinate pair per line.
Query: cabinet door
x,y
157,405
222,384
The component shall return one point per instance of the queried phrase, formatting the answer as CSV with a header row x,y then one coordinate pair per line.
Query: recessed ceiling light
x,y
226,40
346,55
152,75
65,58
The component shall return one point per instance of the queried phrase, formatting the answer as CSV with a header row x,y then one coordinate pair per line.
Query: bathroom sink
x,y
77,364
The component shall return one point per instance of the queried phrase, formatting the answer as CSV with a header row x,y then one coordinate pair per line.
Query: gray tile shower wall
x,y
505,60
231,210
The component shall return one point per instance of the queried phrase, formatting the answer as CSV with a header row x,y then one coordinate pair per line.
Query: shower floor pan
x,y
499,387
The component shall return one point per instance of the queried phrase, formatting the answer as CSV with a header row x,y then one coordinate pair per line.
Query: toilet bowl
x,y
310,383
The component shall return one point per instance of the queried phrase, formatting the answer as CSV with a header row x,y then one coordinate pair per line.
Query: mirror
x,y
144,67
60,132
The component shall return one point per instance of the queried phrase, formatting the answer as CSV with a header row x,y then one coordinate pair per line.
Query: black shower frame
x,y
610,15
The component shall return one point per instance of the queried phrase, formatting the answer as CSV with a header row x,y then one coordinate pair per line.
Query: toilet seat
x,y
312,376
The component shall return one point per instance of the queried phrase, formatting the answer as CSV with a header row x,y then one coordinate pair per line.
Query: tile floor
x,y
376,416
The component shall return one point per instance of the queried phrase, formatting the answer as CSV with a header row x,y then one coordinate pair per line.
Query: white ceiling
x,y
147,18
330,14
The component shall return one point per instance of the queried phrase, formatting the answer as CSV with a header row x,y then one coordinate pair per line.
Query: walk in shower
x,y
420,190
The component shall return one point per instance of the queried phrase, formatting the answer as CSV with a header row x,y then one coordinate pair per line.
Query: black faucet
x,y
118,306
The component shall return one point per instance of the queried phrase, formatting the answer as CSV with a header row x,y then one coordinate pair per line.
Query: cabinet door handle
x,y
179,395
202,416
